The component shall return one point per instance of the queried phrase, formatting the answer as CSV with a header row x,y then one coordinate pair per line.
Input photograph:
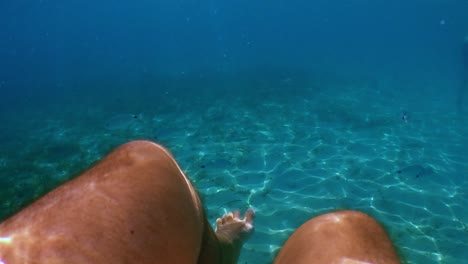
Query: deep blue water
x,y
251,95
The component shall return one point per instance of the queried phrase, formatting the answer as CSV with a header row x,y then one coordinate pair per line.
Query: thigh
x,y
135,206
339,237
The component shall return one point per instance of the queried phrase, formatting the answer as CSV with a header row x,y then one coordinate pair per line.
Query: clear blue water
x,y
294,108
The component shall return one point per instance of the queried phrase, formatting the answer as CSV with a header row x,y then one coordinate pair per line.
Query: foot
x,y
232,231
231,228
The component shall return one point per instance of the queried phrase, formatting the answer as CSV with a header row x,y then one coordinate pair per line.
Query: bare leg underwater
x,y
137,206
134,206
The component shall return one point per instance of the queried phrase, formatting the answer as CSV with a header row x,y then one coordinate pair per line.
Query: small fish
x,y
123,121
404,117
415,171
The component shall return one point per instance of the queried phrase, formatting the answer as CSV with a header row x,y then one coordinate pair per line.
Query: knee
x,y
352,215
142,146
343,219
143,150
140,159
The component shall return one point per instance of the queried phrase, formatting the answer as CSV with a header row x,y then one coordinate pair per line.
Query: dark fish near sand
x,y
123,121
415,171
404,117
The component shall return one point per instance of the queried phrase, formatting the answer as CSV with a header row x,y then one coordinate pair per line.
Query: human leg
x,y
339,237
135,206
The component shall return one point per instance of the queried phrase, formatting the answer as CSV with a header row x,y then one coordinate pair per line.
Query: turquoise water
x,y
290,157
292,108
